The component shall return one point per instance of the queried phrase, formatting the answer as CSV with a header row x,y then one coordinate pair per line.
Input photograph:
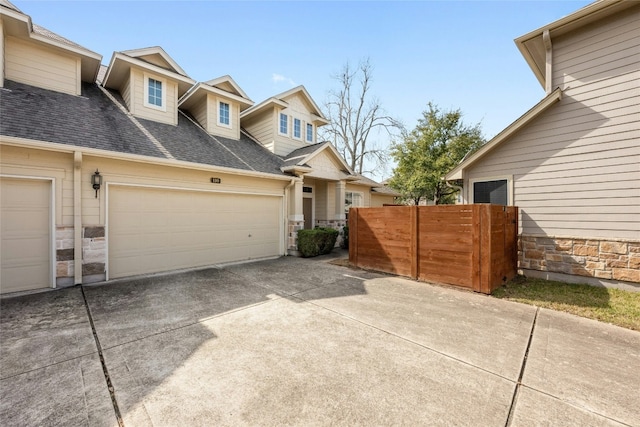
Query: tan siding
x,y
366,193
378,200
140,110
201,113
125,91
261,127
321,201
325,166
29,63
576,169
286,145
213,126
46,164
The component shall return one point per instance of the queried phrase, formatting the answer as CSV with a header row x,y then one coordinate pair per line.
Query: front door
x,y
307,211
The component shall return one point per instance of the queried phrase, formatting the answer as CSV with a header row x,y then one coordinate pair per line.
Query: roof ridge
x,y
139,125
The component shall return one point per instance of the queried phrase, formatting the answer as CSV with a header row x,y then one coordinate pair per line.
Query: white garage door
x,y
25,234
153,230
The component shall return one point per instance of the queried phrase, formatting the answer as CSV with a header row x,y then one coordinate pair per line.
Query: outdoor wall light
x,y
96,181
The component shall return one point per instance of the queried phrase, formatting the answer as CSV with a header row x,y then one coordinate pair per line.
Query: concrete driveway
x,y
303,342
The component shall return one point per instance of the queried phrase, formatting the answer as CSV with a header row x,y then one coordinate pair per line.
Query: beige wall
x,y
325,166
169,114
576,168
212,117
366,193
262,128
27,62
378,200
51,164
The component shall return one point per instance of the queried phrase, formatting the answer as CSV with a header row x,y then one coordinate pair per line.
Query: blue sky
x,y
457,54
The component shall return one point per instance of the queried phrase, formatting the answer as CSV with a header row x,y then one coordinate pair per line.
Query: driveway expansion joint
x,y
107,378
516,391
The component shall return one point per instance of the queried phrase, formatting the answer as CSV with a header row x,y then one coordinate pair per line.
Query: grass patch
x,y
613,306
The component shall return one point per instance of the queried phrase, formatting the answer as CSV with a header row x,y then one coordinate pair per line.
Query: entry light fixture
x,y
96,181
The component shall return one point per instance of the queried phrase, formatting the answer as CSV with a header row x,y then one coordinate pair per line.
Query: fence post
x,y
414,251
476,250
485,249
353,236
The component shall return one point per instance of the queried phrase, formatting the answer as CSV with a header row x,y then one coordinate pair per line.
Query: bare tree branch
x,y
353,114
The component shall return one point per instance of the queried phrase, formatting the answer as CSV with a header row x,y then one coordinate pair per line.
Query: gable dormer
x,y
35,56
285,122
216,105
149,81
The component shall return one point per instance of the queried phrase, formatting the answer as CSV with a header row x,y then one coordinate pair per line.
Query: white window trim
x,y
224,125
288,123
313,133
293,129
360,193
509,179
146,78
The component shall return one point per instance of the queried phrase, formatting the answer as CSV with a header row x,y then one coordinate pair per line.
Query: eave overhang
x,y
121,63
532,45
196,92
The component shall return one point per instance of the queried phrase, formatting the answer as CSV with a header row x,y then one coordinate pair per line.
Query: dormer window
x,y
309,132
224,114
155,94
297,128
284,124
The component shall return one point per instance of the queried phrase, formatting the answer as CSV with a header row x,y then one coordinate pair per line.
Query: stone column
x,y
296,217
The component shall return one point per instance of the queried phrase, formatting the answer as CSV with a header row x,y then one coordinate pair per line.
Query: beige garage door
x,y
25,222
154,230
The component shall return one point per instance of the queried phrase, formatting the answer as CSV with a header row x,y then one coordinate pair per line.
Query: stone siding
x,y
94,255
336,224
294,227
598,258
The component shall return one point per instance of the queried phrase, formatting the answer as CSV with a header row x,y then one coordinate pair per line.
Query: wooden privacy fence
x,y
472,246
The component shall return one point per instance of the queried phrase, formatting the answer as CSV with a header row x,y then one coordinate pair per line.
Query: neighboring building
x,y
572,162
192,174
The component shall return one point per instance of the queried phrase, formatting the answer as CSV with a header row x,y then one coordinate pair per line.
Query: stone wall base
x,y
292,237
607,260
336,224
94,255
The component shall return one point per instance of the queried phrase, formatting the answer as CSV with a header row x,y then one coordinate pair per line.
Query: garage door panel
x,y
182,229
25,241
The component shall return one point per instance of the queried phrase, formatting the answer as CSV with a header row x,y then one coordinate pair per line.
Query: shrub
x,y
345,237
316,242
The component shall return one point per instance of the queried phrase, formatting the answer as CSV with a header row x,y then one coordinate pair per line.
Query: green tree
x,y
437,144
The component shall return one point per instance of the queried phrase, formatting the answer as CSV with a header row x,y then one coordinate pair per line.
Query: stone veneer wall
x,y
613,259
94,255
294,227
336,224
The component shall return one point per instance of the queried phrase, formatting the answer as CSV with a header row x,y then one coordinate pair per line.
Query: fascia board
x,y
64,148
228,79
263,105
156,50
522,121
330,147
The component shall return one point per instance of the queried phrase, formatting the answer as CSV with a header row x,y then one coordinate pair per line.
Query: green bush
x,y
345,237
318,241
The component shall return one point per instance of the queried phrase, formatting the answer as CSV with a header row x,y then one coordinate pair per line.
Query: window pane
x,y
155,92
309,133
284,126
224,113
297,131
494,192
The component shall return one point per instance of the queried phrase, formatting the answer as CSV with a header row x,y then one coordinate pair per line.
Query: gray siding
x,y
576,168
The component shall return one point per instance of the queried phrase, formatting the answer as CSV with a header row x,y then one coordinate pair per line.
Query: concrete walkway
x,y
304,342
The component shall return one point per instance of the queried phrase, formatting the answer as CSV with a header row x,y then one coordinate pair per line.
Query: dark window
x,y
494,192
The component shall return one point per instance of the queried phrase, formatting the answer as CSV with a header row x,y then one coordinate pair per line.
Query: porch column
x,y
296,217
340,187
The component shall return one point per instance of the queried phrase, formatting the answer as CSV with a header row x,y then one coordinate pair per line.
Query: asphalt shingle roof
x,y
94,121
91,120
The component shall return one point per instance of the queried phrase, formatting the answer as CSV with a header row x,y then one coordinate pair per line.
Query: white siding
x,y
26,62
